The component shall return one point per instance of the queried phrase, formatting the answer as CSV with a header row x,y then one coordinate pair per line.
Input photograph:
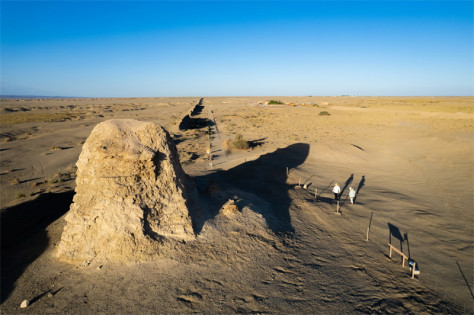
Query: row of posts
x,y
338,206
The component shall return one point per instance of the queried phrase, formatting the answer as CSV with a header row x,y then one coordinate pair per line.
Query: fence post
x,y
368,228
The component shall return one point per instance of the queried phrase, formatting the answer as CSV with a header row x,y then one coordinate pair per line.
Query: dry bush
x,y
68,174
239,143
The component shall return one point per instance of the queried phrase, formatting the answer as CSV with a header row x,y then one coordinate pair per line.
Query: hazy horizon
x,y
225,96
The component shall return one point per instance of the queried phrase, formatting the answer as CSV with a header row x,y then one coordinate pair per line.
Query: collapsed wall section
x,y
131,194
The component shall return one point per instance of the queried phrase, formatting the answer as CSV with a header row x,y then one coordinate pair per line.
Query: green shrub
x,y
273,102
20,195
324,113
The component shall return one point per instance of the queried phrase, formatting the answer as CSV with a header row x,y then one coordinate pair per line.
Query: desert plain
x,y
288,248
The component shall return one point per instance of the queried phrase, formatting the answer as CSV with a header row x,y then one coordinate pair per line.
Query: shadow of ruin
x,y
264,177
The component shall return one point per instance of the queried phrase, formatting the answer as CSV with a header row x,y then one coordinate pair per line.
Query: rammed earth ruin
x,y
131,195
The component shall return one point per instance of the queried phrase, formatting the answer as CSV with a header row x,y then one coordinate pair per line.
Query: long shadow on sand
x,y
395,232
359,187
348,182
24,237
266,179
197,110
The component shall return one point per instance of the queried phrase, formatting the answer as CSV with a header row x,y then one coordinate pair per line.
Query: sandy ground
x,y
285,251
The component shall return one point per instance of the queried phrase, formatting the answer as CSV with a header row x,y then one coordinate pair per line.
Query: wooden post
x,y
316,194
287,171
337,207
404,257
413,270
368,228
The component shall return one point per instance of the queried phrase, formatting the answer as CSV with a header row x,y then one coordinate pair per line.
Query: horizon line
x,y
20,96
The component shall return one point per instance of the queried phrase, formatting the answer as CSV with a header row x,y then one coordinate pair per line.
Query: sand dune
x,y
411,160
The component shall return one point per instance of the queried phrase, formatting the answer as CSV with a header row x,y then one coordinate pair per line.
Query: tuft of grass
x,y
62,177
324,113
239,143
20,195
274,102
55,180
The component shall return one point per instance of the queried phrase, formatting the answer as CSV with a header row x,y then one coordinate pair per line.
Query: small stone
x,y
50,295
25,304
15,181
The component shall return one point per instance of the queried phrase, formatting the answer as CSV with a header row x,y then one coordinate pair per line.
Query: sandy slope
x,y
410,158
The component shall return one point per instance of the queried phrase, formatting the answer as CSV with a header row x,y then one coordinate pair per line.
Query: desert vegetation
x,y
240,143
18,118
275,102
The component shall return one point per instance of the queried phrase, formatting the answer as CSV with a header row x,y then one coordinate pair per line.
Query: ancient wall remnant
x,y
131,195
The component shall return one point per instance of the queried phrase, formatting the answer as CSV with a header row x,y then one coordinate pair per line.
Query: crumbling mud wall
x,y
190,122
131,195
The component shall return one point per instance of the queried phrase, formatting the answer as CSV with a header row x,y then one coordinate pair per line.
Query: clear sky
x,y
239,48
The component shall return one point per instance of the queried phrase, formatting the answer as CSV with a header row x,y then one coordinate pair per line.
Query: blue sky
x,y
239,48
